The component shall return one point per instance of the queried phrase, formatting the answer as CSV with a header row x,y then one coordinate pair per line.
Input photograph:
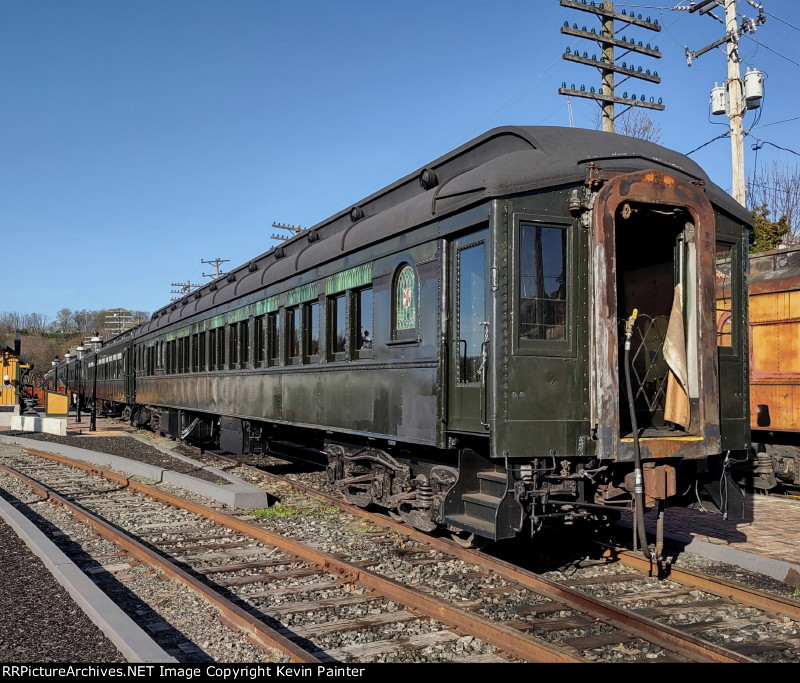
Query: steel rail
x,y
505,638
723,588
233,616
661,634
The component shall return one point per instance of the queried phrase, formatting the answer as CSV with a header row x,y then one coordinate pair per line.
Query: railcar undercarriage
x,y
459,490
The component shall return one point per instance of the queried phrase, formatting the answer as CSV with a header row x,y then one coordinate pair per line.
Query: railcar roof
x,y
503,161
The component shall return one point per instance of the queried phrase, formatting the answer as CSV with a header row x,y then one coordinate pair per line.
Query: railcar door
x,y
469,333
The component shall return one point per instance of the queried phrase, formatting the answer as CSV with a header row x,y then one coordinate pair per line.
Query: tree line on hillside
x,y
42,339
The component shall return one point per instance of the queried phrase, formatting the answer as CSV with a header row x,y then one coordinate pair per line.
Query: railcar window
x,y
294,333
220,348
406,302
471,310
724,295
363,320
543,283
259,342
274,338
185,354
244,334
212,349
233,341
312,330
337,317
201,352
195,357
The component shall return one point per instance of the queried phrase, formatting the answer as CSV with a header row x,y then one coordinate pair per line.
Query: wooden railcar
x,y
774,288
454,343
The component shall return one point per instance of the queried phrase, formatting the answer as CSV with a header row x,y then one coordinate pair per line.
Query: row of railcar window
x,y
285,337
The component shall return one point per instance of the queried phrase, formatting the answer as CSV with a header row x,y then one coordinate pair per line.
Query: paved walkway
x,y
771,527
104,428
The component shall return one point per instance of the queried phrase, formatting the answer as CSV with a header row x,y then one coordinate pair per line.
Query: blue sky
x,y
139,137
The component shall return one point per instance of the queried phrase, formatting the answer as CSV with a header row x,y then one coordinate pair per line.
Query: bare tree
x,y
634,123
777,187
64,320
35,323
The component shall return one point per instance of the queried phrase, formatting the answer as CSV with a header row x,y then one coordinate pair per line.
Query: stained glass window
x,y
405,301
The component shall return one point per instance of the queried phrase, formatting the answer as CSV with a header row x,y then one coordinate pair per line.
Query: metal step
x,y
490,475
473,525
493,483
482,499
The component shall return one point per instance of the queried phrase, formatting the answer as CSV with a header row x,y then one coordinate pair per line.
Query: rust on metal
x,y
660,482
650,187
233,616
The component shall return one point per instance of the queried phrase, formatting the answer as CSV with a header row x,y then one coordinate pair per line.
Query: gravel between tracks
x,y
32,602
324,526
180,621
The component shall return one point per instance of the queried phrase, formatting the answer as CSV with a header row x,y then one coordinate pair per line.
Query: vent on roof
x,y
356,214
174,307
213,287
231,277
252,266
428,179
280,252
198,294
312,236
184,302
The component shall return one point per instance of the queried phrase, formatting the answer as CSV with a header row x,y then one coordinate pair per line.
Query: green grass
x,y
276,511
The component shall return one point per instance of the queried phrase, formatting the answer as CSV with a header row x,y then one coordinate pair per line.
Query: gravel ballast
x,y
33,604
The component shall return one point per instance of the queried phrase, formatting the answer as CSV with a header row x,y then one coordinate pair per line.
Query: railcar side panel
x,y
731,255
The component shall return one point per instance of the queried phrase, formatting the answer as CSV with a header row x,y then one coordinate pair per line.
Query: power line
x,y
766,47
705,144
783,21
775,123
772,144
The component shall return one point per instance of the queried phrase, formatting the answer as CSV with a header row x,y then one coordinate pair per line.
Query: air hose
x,y
638,488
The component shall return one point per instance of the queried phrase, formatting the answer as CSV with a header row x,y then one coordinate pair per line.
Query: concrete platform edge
x,y
222,474
776,569
134,644
238,493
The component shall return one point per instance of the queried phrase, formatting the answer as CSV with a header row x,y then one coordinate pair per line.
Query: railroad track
x,y
235,560
750,622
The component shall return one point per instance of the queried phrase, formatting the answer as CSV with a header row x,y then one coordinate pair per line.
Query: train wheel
x,y
395,515
465,539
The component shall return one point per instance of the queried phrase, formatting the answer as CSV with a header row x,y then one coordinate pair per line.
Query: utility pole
x,y
736,112
294,229
736,103
607,64
216,263
183,289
